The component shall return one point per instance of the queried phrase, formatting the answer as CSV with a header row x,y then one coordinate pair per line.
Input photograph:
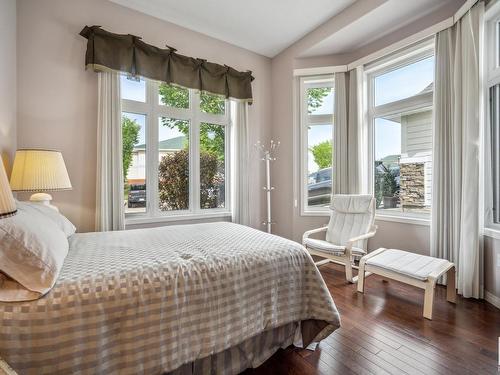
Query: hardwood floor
x,y
383,332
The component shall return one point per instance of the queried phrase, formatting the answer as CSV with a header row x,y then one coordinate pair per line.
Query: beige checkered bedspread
x,y
151,300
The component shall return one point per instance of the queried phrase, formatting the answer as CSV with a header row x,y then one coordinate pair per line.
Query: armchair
x,y
351,224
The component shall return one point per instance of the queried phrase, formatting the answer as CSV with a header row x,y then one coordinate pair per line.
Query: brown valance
x,y
129,54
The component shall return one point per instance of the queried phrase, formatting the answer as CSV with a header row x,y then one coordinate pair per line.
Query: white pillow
x,y
60,220
32,252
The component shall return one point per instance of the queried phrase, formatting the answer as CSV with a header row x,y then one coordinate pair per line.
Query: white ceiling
x,y
382,20
263,26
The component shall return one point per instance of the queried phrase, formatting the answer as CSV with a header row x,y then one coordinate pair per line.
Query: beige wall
x,y
492,266
8,81
59,98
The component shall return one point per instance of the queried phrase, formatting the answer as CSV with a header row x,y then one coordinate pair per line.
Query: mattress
x,y
152,300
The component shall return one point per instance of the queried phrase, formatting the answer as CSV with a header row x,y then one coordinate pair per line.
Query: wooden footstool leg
x,y
361,276
451,290
429,299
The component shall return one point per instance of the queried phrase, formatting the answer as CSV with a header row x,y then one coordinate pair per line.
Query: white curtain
x,y
347,133
109,197
240,163
457,133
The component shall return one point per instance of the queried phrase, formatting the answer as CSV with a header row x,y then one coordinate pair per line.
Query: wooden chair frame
x,y
347,257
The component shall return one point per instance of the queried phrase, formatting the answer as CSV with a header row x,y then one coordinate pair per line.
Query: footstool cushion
x,y
409,264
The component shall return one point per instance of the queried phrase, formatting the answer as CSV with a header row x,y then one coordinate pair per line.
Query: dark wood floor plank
x,y
387,366
346,354
383,332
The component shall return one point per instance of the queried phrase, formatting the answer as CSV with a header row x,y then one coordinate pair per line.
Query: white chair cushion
x,y
351,204
329,248
409,264
351,216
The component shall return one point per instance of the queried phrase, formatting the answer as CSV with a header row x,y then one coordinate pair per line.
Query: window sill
x,y
143,219
404,219
316,213
492,232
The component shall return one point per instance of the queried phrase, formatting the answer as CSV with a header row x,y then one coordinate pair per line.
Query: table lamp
x,y
7,202
38,170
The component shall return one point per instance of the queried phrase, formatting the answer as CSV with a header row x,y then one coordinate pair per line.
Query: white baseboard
x,y
491,298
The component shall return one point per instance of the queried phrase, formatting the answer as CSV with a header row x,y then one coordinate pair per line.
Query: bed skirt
x,y
250,353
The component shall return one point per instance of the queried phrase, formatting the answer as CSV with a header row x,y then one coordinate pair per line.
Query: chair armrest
x,y
312,231
362,237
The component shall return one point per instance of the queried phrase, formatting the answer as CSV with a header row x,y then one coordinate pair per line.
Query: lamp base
x,y
43,198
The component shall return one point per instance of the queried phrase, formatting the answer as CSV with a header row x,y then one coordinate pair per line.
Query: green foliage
x,y
173,181
173,184
211,135
315,97
212,104
385,183
211,181
130,134
174,96
212,139
323,154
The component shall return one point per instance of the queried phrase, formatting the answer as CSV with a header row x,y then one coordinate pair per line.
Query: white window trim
x,y
304,119
153,110
379,67
491,78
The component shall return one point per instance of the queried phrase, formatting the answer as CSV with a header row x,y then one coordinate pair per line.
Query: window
x,y
399,97
316,128
492,117
175,147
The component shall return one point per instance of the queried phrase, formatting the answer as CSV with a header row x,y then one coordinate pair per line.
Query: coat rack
x,y
268,155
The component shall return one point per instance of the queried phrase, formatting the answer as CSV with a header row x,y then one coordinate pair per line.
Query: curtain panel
x,y
347,133
240,156
456,209
110,209
129,54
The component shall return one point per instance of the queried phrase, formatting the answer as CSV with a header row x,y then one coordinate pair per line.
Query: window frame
x,y
399,59
153,111
304,120
491,78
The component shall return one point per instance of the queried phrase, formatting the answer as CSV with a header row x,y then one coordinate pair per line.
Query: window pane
x,y
213,104
403,162
405,82
212,166
495,149
134,161
498,44
319,164
173,170
320,100
173,96
133,88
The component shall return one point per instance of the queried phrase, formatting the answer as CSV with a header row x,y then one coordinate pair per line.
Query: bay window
x,y
175,149
399,113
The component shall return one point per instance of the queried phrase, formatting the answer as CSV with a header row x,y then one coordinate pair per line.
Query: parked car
x,y
319,187
137,196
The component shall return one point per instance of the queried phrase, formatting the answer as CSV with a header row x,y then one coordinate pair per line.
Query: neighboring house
x,y
416,156
137,170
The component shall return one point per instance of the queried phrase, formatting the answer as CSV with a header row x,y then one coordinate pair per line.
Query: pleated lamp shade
x,y
7,202
39,170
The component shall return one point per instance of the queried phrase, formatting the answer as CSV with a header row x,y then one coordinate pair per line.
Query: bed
x,y
201,298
